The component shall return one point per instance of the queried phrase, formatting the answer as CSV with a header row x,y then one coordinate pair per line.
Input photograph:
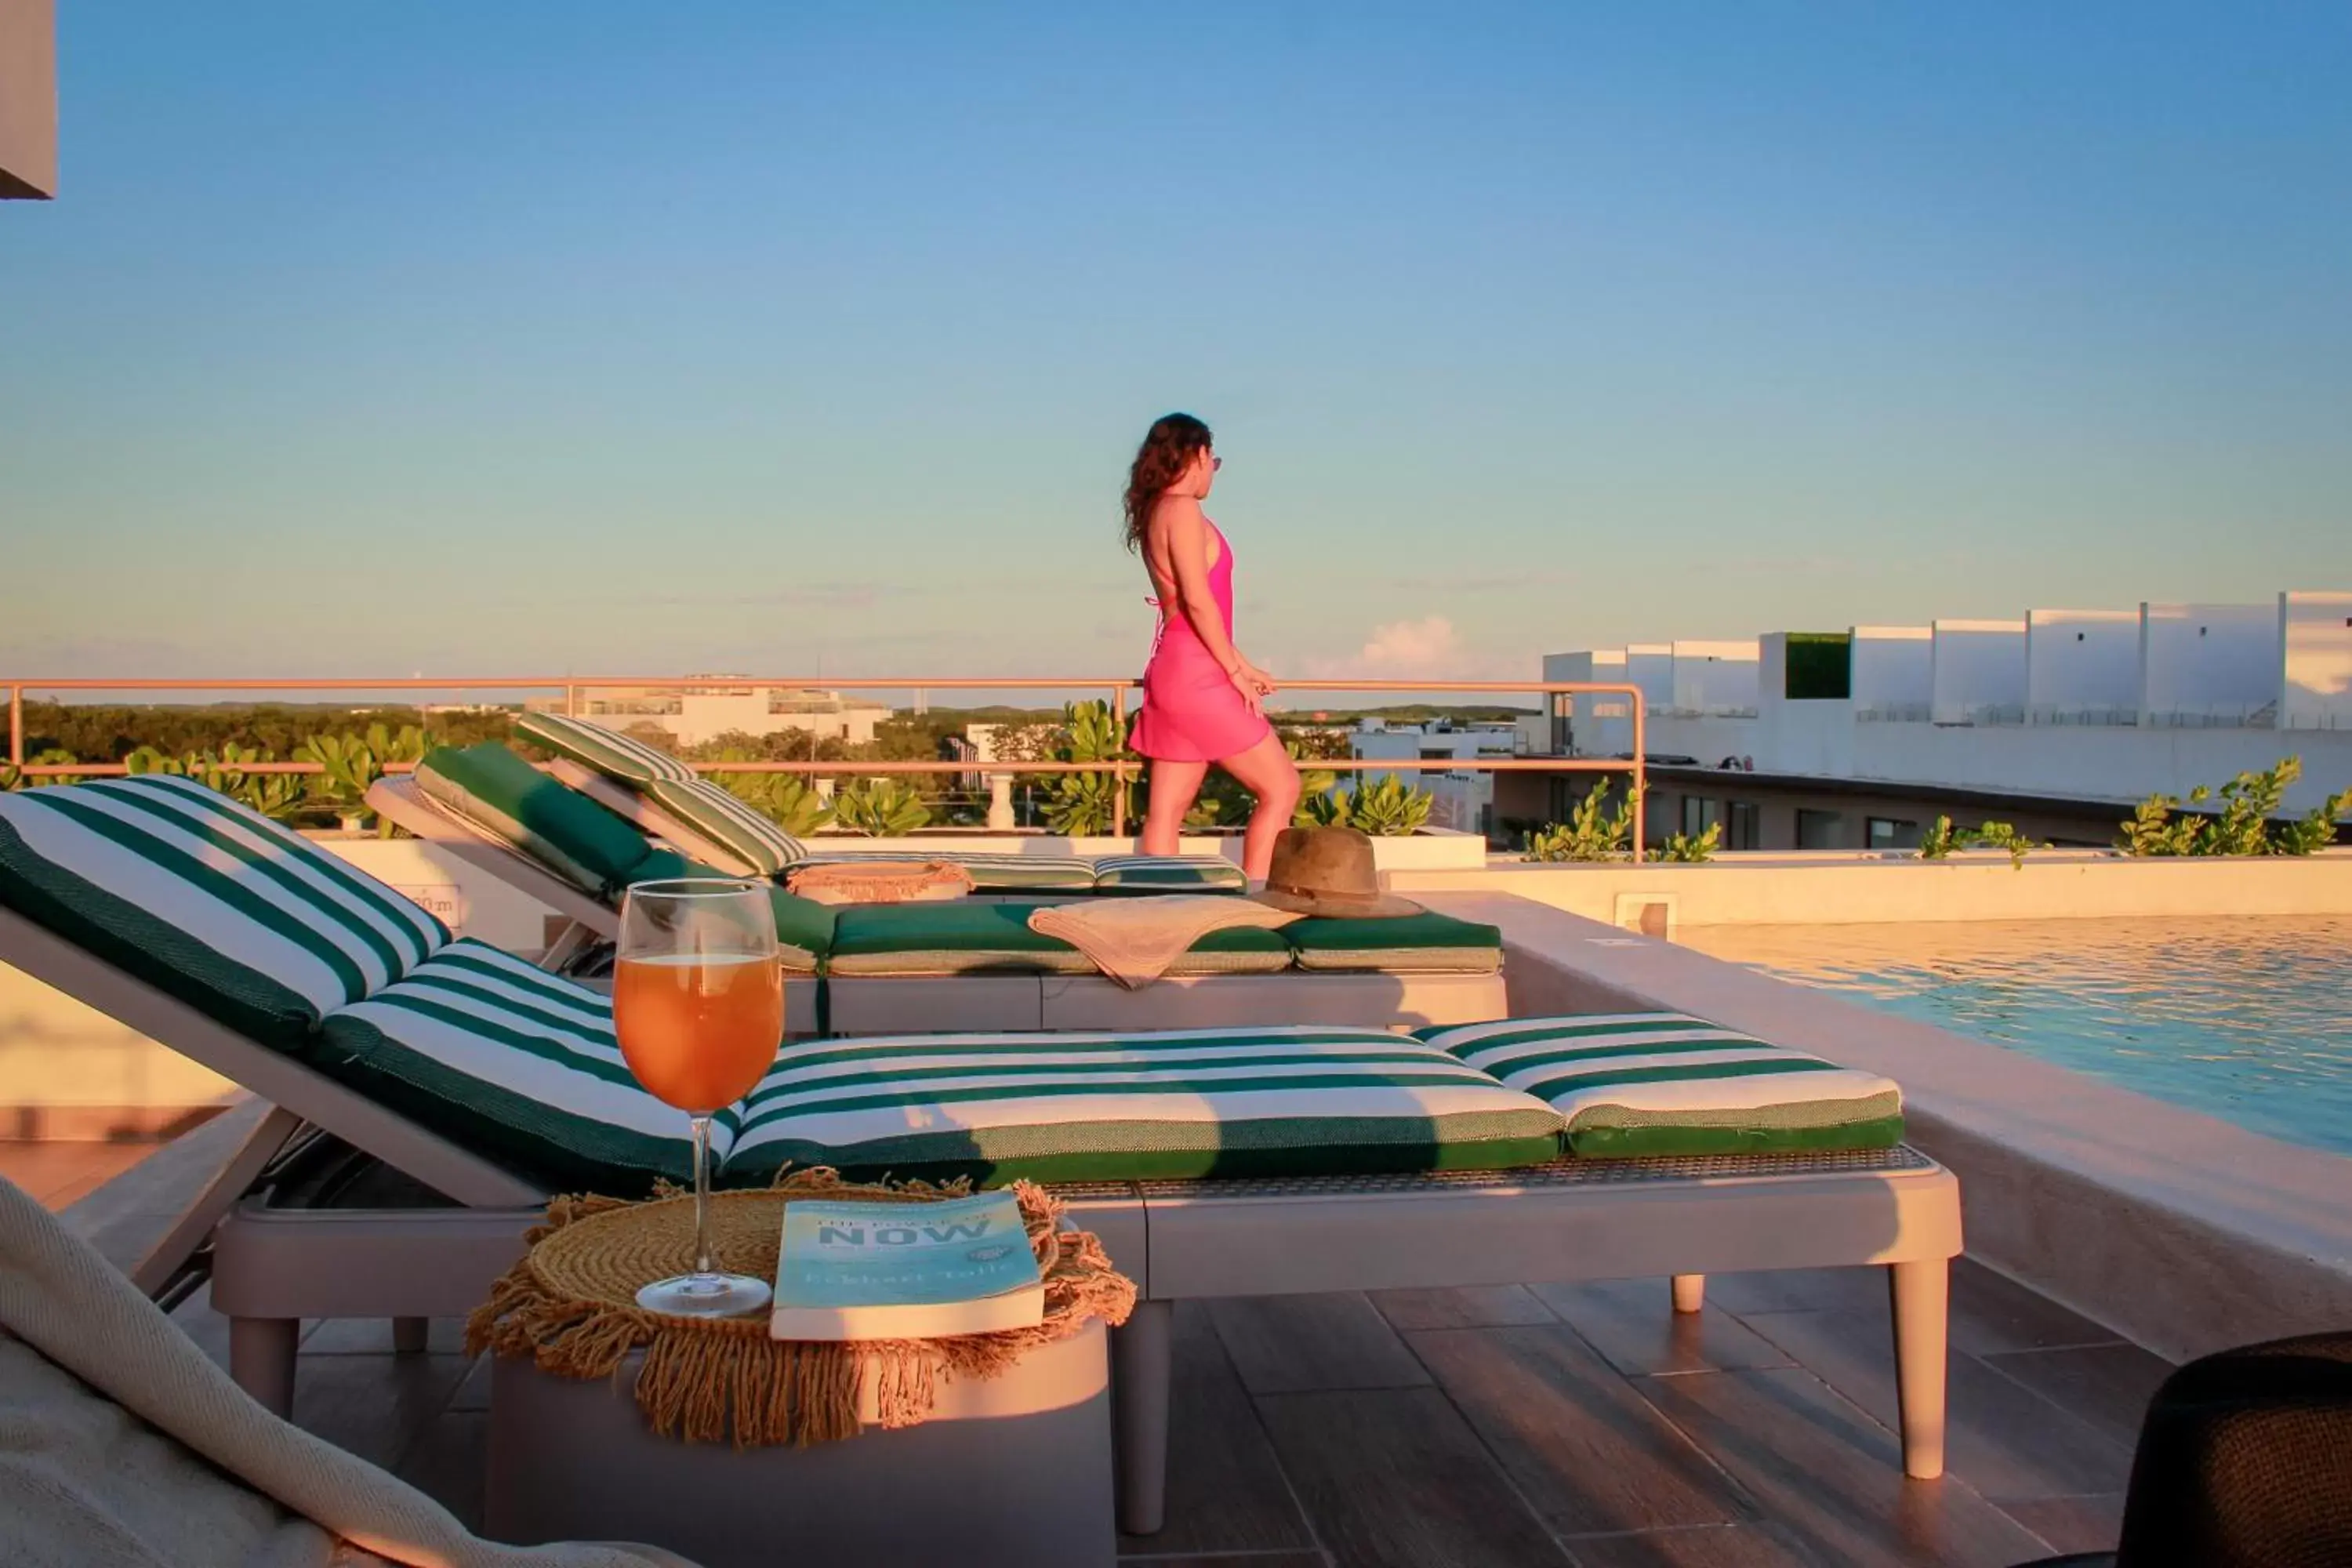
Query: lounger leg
x,y
261,1360
408,1336
1690,1292
1921,1299
1139,1352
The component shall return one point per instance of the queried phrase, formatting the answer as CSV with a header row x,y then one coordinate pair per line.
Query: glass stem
x,y
702,1269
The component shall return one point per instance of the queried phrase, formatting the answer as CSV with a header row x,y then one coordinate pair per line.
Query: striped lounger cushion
x,y
967,938
1169,874
516,1064
1636,1084
730,822
1427,943
1174,1104
498,794
610,752
204,898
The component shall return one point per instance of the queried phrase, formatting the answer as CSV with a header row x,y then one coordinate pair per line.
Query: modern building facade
x,y
697,713
2056,722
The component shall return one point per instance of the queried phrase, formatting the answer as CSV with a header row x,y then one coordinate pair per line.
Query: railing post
x,y
1119,774
1641,776
15,725
571,702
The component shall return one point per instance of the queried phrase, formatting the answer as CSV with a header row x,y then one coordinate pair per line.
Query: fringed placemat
x,y
571,1305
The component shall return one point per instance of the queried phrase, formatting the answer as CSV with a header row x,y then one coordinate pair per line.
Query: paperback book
x,y
905,1272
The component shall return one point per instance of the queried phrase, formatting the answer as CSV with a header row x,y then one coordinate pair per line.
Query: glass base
x,y
705,1296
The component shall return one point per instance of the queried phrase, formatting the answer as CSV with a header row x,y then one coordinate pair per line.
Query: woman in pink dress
x,y
1202,701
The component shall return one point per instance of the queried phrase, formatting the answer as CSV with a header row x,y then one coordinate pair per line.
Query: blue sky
x,y
499,339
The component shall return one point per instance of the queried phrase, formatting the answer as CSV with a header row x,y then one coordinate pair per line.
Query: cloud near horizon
x,y
1429,649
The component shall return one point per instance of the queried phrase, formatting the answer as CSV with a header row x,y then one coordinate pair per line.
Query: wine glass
x,y
699,1005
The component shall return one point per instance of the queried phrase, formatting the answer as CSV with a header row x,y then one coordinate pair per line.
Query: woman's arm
x,y
1187,533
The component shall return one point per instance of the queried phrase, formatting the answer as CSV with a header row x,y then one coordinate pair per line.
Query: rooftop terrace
x,y
1548,1425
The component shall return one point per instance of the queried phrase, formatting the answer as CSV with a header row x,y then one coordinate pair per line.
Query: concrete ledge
x,y
2177,1230
1849,889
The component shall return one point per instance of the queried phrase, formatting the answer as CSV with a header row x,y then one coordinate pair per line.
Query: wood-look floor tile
x,y
448,1462
1725,1546
1226,1488
2073,1523
2107,1386
1829,1478
1297,1344
2002,1439
1586,1450
1798,1289
1992,1313
1474,1307
1633,1323
373,1336
374,1407
1396,1479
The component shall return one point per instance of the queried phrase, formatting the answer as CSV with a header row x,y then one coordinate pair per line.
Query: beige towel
x,y
1134,941
880,882
122,1445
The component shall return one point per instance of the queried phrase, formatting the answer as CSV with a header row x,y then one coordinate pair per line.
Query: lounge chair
x,y
127,1444
969,964
1212,1163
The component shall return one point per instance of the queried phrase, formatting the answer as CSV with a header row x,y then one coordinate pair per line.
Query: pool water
x,y
2246,1019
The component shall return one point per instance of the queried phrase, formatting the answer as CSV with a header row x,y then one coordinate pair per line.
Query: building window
x,y
1893,833
1821,830
1699,814
1740,828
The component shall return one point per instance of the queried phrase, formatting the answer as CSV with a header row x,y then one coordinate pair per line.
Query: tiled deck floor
x,y
1579,1425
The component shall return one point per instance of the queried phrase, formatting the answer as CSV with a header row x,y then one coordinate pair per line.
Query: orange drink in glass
x,y
698,1008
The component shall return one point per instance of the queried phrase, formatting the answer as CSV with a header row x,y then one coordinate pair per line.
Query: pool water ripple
x,y
2246,1019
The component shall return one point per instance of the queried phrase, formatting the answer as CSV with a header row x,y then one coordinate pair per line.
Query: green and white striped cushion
x,y
1169,874
732,823
1173,1104
207,900
990,873
608,752
1666,1083
516,1064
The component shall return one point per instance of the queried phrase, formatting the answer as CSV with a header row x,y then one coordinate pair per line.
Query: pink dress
x,y
1192,710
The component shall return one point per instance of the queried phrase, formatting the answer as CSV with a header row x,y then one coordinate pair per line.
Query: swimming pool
x,y
2246,1019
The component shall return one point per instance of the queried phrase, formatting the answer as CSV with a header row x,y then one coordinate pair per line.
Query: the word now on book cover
x,y
905,1272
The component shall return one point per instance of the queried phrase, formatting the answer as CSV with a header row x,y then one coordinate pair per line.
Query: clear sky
x,y
464,338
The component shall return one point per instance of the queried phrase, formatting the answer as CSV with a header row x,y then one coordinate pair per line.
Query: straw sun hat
x,y
1329,871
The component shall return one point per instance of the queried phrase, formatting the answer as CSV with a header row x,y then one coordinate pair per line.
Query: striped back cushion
x,y
1169,874
516,1064
1182,1103
730,823
608,752
212,902
1666,1083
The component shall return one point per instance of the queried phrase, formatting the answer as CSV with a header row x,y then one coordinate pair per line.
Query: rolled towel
x,y
1134,941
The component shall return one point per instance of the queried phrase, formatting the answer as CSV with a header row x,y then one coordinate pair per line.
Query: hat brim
x,y
1380,907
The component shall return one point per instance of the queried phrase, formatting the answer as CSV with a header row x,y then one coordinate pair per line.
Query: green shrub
x,y
1591,833
1683,848
352,763
1388,809
1939,842
12,777
278,795
1083,806
787,799
883,808
2243,825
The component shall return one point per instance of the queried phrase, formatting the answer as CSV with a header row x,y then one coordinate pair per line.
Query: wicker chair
x,y
2244,1461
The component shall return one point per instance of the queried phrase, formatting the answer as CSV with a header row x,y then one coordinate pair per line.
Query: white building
x,y
1460,798
696,713
2095,708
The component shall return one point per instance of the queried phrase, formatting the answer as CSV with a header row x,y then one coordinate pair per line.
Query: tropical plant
x,y
883,808
2243,826
1591,832
1314,784
1388,809
349,764
272,795
1326,808
1684,846
1083,806
1939,842
787,798
14,777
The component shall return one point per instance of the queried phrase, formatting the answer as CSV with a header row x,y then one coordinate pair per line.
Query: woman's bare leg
x,y
1265,771
1174,786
